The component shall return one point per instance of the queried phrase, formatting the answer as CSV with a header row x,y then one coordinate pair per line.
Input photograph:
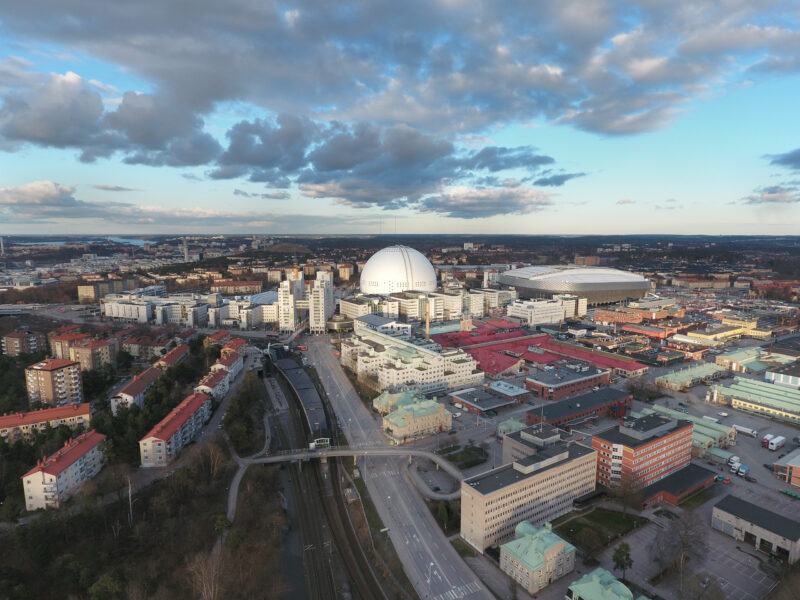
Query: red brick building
x,y
601,403
642,451
565,379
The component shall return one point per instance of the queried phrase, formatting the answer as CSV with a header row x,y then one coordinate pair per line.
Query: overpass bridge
x,y
344,451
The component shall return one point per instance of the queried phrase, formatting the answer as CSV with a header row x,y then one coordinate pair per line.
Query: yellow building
x,y
416,420
536,557
537,488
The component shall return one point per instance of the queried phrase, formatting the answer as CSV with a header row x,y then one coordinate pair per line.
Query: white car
x,y
722,414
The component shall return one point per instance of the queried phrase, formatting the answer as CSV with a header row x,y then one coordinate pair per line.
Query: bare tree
x,y
628,492
205,574
682,540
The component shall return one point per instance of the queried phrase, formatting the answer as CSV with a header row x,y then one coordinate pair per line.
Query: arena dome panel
x,y
599,285
397,269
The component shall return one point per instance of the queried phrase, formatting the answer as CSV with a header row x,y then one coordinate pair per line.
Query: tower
x,y
185,251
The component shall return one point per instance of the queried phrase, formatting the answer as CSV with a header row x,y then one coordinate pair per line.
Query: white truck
x,y
777,442
712,419
746,430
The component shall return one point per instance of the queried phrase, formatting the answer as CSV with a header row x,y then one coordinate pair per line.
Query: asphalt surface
x,y
431,563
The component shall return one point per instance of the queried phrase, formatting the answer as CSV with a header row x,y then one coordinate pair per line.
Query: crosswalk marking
x,y
459,592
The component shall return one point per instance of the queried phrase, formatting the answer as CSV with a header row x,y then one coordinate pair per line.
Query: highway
x,y
433,566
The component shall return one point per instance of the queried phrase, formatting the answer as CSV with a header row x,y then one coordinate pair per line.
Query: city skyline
x,y
574,118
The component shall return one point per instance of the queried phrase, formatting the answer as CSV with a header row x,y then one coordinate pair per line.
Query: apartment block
x,y
181,426
91,293
23,426
23,341
215,384
135,390
536,557
388,362
94,353
226,286
232,363
54,381
57,477
60,344
321,303
643,450
173,357
537,488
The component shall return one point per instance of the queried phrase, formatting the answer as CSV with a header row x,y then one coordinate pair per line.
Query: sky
x,y
435,116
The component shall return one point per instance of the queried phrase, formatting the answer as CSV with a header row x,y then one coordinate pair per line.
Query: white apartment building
x,y
367,304
182,425
536,488
320,302
289,293
57,477
232,363
135,390
391,362
541,312
188,310
215,384
131,311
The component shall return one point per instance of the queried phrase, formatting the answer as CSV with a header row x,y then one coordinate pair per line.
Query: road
x,y
431,563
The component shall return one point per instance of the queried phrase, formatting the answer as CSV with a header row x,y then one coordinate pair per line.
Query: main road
x,y
433,566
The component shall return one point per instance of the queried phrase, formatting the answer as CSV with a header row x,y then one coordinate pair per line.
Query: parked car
x,y
726,480
751,479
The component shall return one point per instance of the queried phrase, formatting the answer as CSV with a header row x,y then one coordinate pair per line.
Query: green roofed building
x,y
536,557
600,585
759,397
683,379
509,426
416,420
387,402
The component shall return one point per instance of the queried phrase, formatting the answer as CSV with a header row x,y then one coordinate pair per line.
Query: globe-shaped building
x,y
396,269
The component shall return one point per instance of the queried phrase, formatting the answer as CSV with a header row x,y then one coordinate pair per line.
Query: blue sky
x,y
426,117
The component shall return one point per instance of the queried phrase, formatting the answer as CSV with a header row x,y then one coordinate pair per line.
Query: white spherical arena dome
x,y
396,269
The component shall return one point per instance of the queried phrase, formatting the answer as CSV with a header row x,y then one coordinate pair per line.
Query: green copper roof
x,y
532,544
601,585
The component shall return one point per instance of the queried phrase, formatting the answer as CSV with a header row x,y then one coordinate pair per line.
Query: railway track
x,y
320,484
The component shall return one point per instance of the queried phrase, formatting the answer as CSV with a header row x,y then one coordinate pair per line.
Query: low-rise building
x,y
599,585
57,477
232,363
764,530
173,357
162,444
60,344
759,397
526,441
23,426
54,381
218,338
386,402
226,286
787,468
413,421
570,411
478,401
564,379
215,384
536,557
235,346
23,341
537,488
786,375
135,390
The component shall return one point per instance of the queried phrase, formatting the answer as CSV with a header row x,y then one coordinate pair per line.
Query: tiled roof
x,y
177,417
70,337
174,355
213,379
72,451
140,382
235,343
46,414
51,364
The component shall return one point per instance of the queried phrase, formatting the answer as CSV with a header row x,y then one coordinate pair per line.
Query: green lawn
x,y
597,528
467,457
698,500
463,548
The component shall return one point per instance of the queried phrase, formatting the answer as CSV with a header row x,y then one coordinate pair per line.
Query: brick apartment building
x,y
54,381
23,341
601,403
642,450
564,379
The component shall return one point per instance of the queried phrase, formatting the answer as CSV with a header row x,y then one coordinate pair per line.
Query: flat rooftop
x,y
679,482
657,424
791,370
564,372
481,399
761,517
589,401
497,479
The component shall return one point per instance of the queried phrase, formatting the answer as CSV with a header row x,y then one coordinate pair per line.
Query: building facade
x,y
58,476
23,341
162,444
536,557
135,390
54,381
642,451
537,488
23,426
416,420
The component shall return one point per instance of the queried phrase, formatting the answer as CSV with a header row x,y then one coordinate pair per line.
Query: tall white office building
x,y
321,303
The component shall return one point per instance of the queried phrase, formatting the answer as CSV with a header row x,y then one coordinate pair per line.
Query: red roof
x,y
70,337
229,360
492,362
72,451
219,335
187,333
65,329
177,417
174,355
51,364
19,334
141,382
46,414
235,343
213,379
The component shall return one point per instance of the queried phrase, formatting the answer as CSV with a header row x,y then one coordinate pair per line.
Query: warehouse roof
x,y
588,401
761,517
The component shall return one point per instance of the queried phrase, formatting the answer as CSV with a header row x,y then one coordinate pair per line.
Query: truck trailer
x,y
777,442
746,431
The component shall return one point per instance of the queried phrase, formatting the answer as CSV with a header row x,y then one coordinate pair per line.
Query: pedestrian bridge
x,y
344,451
